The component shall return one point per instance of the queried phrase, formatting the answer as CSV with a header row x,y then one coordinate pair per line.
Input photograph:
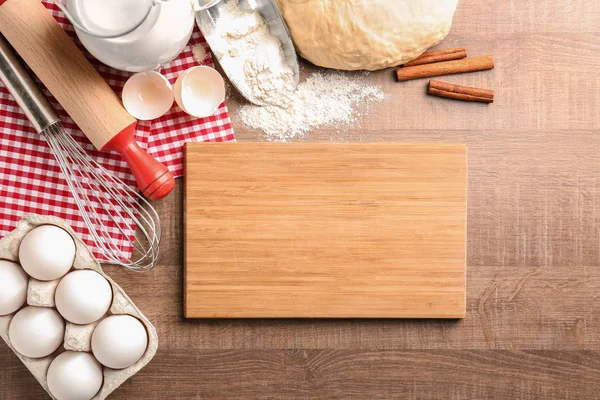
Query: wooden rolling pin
x,y
83,93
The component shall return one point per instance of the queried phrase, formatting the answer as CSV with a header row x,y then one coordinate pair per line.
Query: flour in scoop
x,y
251,55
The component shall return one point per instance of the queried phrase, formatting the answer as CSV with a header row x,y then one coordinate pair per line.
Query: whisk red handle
x,y
153,178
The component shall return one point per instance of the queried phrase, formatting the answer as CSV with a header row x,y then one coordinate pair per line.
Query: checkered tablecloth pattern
x,y
30,179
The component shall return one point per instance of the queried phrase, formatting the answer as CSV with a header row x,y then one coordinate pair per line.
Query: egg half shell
x,y
147,95
119,341
83,297
47,252
199,91
13,287
74,375
36,332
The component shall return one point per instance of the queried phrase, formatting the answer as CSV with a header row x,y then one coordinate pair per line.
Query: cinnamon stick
x,y
429,57
469,64
458,92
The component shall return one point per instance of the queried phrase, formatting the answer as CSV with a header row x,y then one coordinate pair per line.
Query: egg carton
x,y
77,337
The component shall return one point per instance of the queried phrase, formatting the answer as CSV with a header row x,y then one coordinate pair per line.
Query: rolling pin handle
x,y
153,178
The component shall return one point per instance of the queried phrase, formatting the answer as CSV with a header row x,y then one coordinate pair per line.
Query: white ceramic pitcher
x,y
131,35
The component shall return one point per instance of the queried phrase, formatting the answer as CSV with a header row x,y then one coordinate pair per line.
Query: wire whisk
x,y
99,195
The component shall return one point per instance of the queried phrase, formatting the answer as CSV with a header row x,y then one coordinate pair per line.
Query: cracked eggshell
x,y
147,95
199,91
122,304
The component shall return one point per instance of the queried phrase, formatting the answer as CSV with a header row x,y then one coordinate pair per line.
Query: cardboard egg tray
x,y
77,337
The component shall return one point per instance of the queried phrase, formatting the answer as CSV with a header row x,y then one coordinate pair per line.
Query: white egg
x,y
47,252
36,331
13,287
74,375
199,91
83,297
147,95
119,341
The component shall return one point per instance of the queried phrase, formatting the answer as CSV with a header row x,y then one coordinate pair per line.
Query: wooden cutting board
x,y
325,230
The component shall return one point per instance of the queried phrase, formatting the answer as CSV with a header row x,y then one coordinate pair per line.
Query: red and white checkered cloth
x,y
30,179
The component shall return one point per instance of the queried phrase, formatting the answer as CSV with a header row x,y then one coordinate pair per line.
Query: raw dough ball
x,y
366,34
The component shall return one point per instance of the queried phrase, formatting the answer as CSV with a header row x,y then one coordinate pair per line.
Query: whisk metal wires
x,y
123,209
107,205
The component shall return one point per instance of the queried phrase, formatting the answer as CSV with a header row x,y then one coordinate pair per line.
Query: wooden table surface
x,y
532,329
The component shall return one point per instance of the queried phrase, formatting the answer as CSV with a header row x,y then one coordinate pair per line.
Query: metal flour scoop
x,y
207,18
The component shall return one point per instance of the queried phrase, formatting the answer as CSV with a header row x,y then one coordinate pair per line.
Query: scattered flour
x,y
255,63
199,53
324,98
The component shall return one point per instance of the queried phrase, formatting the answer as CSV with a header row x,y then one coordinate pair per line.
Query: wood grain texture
x,y
63,68
315,230
318,374
532,328
359,374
